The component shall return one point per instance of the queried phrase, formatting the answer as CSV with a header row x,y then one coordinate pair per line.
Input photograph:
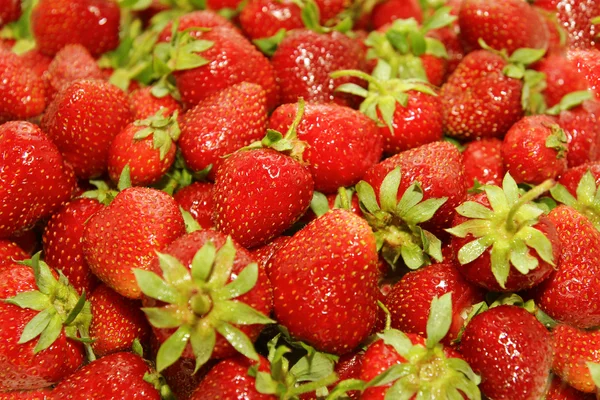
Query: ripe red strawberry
x,y
535,149
221,124
260,193
21,90
116,376
562,78
263,18
305,53
409,300
30,307
10,10
588,63
38,394
560,390
37,61
334,254
512,352
342,143
28,194
91,23
144,104
197,199
483,162
575,18
265,252
510,25
572,177
10,252
71,63
63,247
195,19
73,123
116,322
388,11
583,132
126,234
219,320
147,146
577,273
519,258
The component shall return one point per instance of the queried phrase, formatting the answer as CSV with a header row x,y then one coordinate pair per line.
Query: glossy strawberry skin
x,y
196,19
259,298
571,178
10,10
63,246
527,157
116,322
510,350
91,23
263,18
259,194
588,63
560,390
264,253
126,234
221,124
197,199
478,100
116,376
510,25
28,195
483,162
20,368
410,299
342,143
21,90
562,78
10,252
72,122
388,11
144,104
583,131
334,255
575,17
564,295
306,53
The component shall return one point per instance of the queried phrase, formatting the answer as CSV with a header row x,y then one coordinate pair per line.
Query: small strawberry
x,y
144,104
91,23
483,162
197,199
388,11
10,253
63,247
560,390
562,78
38,62
588,63
21,90
347,271
573,349
535,149
116,376
126,234
499,228
575,16
10,10
512,352
82,121
196,19
264,18
578,188
28,195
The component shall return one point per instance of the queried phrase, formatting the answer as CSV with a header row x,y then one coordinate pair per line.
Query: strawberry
x,y
305,53
125,235
21,90
559,390
39,394
10,252
575,16
196,19
588,63
147,147
72,122
409,300
391,10
577,188
144,104
577,273
264,18
63,247
499,228
116,322
260,193
36,303
116,376
92,23
512,352
10,10
197,199
510,25
483,163
535,149
347,272
562,78
265,252
28,195
221,124
38,62
342,143
219,298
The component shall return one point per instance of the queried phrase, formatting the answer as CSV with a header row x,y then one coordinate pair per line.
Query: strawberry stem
x,y
526,198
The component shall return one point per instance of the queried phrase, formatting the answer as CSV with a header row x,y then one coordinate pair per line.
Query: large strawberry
x,y
27,194
126,234
21,90
82,120
575,17
512,352
209,302
573,349
335,254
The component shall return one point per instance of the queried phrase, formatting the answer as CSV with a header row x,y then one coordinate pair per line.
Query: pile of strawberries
x,y
300,199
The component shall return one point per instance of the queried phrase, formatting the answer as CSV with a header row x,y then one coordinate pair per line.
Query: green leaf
x,y
424,211
313,367
586,189
136,347
34,300
434,249
440,319
387,107
497,198
410,198
398,340
191,225
163,318
440,18
319,204
511,189
240,313
310,16
399,40
124,178
435,48
174,273
366,195
417,43
238,340
187,61
49,334
526,56
203,344
76,309
265,383
569,101
345,386
594,372
538,241
388,191
352,88
476,227
391,374
244,282
521,259
43,276
413,256
223,265
460,365
500,262
402,389
153,286
37,325
270,44
514,71
472,250
203,261
172,348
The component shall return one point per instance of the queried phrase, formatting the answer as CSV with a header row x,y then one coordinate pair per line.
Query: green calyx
x,y
201,303
396,223
180,176
164,131
384,92
569,101
557,140
104,193
20,30
594,369
587,201
60,308
268,45
319,204
507,228
312,372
